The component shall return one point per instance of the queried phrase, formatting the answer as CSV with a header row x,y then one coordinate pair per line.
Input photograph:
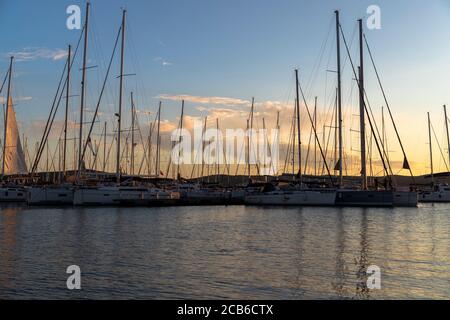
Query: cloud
x,y
17,99
205,100
34,53
163,61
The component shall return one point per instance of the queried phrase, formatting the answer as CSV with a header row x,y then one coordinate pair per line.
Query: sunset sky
x,y
217,55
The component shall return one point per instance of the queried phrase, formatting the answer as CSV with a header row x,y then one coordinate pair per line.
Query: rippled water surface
x,y
225,252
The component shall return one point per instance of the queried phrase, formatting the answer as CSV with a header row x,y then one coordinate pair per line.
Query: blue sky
x,y
235,49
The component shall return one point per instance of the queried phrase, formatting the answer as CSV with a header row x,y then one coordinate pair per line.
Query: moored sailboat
x,y
13,157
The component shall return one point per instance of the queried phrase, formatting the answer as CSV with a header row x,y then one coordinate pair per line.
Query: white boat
x,y
441,193
96,196
12,194
128,196
193,194
50,195
376,198
405,199
147,197
13,155
326,197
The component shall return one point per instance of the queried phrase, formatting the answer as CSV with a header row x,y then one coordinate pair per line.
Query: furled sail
x,y
14,155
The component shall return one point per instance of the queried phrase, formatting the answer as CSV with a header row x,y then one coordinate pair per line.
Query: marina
x,y
172,152
88,188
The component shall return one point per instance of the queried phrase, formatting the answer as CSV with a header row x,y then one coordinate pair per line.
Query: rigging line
x,y
314,72
288,151
44,134
48,124
315,133
113,141
4,81
100,98
145,146
388,107
365,107
328,140
97,149
439,146
197,155
307,152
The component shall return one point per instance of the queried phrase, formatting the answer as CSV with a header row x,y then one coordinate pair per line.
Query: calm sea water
x,y
231,252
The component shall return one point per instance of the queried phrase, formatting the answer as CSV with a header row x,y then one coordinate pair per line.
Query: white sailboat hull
x,y
405,199
376,198
12,194
108,196
103,196
434,196
50,196
298,198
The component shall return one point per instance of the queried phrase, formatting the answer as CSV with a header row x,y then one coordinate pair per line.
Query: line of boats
x,y
266,194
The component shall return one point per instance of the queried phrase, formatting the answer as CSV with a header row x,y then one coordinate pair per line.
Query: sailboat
x,y
302,196
364,196
439,192
13,157
62,193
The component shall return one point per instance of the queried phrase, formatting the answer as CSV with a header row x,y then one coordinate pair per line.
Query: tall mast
x,y
431,149
339,96
181,129
299,142
217,151
249,137
119,116
158,141
448,136
336,130
203,148
293,139
132,133
362,125
8,97
315,140
67,111
151,125
83,87
104,148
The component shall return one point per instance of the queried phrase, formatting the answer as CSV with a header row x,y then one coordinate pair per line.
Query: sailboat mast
x,y
217,151
250,138
66,111
431,148
181,129
203,147
158,141
299,142
448,135
336,130
315,140
104,148
339,96
8,97
83,87
119,116
132,134
362,125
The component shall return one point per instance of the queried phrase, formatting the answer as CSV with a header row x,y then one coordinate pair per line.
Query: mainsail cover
x,y
14,156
